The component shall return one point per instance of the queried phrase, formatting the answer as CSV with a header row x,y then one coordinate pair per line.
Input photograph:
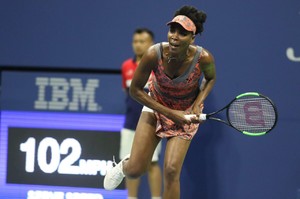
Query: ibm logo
x,y
66,94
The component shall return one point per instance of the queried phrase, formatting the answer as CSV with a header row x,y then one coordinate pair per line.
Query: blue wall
x,y
250,42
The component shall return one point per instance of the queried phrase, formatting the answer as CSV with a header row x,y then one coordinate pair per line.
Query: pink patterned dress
x,y
178,93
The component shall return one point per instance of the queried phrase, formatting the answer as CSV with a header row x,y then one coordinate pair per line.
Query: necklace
x,y
178,59
169,58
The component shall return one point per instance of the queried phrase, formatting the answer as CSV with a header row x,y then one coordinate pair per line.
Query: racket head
x,y
252,113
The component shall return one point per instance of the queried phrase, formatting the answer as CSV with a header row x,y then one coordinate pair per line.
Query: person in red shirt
x,y
142,40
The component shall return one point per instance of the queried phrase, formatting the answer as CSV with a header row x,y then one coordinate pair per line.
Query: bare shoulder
x,y
151,52
206,57
149,59
207,64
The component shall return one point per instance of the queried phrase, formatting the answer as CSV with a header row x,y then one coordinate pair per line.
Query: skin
x,y
140,43
179,47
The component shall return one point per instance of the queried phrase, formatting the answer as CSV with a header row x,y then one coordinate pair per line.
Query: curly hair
x,y
198,17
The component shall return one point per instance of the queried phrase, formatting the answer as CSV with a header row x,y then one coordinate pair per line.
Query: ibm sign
x,y
62,92
56,93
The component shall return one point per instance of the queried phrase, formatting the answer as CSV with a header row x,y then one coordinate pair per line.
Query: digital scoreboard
x,y
46,155
59,133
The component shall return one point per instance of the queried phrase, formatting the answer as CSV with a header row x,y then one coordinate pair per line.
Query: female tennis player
x,y
176,90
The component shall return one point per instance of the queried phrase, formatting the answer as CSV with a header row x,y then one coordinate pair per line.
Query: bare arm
x,y
140,78
207,65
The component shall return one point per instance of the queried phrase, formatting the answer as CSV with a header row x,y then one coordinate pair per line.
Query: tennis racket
x,y
250,113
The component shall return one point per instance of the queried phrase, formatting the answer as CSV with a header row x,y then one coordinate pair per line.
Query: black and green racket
x,y
250,113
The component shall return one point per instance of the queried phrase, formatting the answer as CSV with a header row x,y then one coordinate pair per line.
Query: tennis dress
x,y
178,93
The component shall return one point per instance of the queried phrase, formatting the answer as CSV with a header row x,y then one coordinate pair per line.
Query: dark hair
x,y
198,17
146,30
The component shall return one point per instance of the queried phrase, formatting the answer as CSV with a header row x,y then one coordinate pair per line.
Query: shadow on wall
x,y
208,169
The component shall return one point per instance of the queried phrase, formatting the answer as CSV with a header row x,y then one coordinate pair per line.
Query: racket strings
x,y
252,114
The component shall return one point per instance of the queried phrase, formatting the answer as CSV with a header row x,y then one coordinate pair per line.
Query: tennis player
x,y
175,90
142,39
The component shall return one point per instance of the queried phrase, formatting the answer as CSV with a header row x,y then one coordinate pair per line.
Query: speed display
x,y
58,155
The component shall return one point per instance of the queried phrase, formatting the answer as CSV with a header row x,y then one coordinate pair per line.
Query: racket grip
x,y
201,116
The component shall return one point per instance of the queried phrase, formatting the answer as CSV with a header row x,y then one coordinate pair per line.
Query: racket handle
x,y
201,116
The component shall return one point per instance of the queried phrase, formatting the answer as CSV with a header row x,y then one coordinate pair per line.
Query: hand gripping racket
x,y
250,113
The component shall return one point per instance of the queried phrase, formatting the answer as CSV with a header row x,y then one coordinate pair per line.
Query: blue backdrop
x,y
256,45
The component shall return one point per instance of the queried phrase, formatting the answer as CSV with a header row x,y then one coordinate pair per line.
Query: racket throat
x,y
202,116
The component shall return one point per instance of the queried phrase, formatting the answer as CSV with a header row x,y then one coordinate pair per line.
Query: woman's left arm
x,y
207,65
